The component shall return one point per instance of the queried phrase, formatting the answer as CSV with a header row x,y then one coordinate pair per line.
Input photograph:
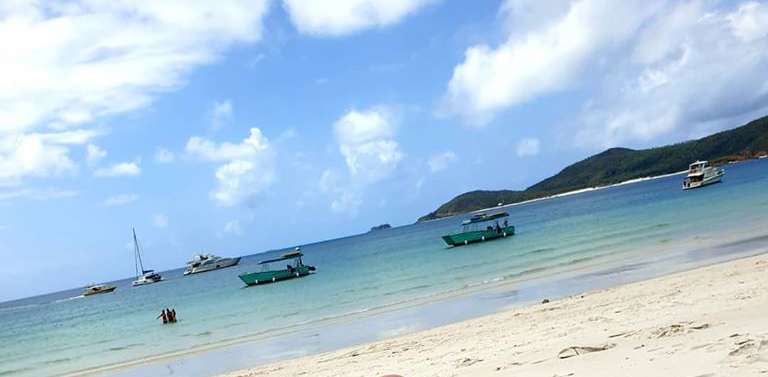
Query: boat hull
x,y
145,281
266,277
223,263
466,238
100,291
714,178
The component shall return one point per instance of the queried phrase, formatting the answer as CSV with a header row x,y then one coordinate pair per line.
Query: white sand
x,y
711,321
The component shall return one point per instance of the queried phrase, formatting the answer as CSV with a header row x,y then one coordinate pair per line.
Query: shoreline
x,y
665,324
560,195
374,326
579,191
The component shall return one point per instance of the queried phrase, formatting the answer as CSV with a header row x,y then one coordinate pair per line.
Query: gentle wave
x,y
125,347
10,372
56,361
68,299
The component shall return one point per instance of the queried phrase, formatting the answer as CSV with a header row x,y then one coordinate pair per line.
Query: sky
x,y
237,127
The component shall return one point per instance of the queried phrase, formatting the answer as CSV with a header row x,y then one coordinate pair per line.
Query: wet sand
x,y
709,321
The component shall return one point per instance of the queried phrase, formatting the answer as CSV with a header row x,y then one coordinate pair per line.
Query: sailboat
x,y
146,276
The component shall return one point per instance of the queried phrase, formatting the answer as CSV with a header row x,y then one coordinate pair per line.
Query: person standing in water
x,y
164,316
173,315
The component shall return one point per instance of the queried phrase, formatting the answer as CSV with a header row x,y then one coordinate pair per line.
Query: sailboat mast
x,y
137,254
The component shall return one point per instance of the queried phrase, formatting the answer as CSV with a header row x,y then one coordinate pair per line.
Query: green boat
x,y
294,269
478,228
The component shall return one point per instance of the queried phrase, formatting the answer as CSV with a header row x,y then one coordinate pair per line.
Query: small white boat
x,y
700,174
209,262
146,276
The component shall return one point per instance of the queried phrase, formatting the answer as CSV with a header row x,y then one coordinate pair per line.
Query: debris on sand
x,y
580,350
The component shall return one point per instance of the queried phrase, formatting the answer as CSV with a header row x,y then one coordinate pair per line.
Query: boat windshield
x,y
273,264
697,167
286,256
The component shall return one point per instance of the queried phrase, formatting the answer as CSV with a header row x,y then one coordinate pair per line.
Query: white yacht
x,y
146,276
209,262
700,174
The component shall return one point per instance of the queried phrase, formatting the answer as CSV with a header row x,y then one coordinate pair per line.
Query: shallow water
x,y
405,277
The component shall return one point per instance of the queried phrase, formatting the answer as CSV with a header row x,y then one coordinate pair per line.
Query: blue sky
x,y
241,126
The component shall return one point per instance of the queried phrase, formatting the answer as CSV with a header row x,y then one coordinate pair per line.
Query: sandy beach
x,y
710,321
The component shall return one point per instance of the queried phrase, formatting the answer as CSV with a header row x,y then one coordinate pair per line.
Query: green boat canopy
x,y
286,256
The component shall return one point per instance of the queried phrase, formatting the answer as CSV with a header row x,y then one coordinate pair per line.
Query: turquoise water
x,y
394,269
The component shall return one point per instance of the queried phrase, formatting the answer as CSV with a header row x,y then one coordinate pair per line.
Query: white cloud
x,y
95,154
341,17
749,21
119,170
527,147
440,161
164,156
677,81
160,220
37,194
248,169
38,154
649,68
67,64
366,140
547,58
119,200
221,114
72,62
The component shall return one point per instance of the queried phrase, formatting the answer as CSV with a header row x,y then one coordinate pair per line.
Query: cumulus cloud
x,y
121,169
221,114
440,161
693,70
248,169
649,68
120,200
63,65
366,140
109,57
335,18
527,147
38,154
94,154
547,58
164,156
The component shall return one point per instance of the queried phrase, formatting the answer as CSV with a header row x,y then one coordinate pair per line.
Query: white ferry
x,y
700,174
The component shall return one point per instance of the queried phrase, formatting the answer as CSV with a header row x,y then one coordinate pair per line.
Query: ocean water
x,y
563,245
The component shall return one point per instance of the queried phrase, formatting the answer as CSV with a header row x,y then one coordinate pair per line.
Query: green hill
x,y
620,164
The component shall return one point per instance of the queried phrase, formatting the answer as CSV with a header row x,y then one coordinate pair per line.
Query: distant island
x,y
380,227
617,165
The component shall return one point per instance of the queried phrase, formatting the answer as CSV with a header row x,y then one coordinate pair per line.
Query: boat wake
x,y
67,299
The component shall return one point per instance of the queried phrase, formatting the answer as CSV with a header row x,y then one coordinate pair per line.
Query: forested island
x,y
617,165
